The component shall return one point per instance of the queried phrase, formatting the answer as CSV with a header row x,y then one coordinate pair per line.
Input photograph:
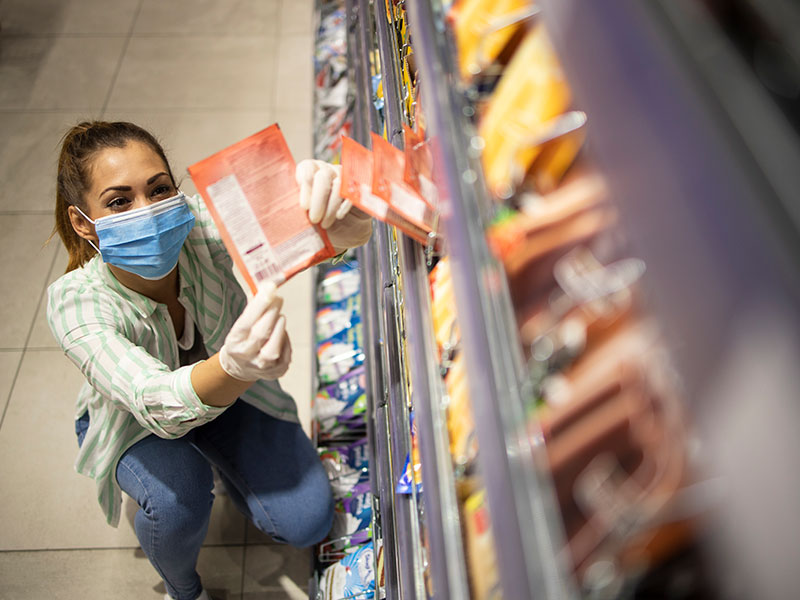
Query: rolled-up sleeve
x,y
92,334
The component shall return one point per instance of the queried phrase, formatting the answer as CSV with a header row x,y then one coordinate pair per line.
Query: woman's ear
x,y
81,226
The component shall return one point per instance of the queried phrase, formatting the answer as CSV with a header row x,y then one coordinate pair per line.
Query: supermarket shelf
x,y
671,77
525,526
400,527
441,507
712,208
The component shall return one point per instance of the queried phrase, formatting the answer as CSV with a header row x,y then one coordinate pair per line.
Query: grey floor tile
x,y
69,73
41,337
46,505
192,135
23,270
216,17
88,574
195,72
27,17
276,566
121,574
297,16
29,149
295,75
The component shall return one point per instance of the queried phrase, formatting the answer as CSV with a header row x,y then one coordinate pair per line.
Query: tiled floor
x,y
200,74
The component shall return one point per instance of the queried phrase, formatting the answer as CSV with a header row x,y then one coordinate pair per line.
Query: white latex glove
x,y
257,346
320,183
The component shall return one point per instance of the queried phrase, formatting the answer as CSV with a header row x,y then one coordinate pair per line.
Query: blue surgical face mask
x,y
146,241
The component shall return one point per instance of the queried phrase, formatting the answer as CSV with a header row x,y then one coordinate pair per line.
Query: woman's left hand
x,y
320,183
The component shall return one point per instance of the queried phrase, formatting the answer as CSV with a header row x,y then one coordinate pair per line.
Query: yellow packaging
x,y
443,304
531,93
481,557
478,40
460,424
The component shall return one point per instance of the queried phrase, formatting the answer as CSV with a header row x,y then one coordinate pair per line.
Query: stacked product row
x,y
332,105
598,392
346,562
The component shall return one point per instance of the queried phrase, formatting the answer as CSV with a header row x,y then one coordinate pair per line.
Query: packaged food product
x,y
460,423
352,577
338,282
346,466
480,36
345,400
481,556
419,166
340,354
251,193
443,305
357,186
522,113
388,169
412,469
332,319
352,519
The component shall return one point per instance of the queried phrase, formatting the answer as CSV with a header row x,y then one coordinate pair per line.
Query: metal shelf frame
x,y
525,522
448,567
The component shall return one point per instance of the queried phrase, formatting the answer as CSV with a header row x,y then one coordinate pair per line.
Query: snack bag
x,y
339,282
480,550
418,172
388,169
460,424
345,400
334,318
479,38
352,577
356,186
527,101
252,195
346,466
412,469
339,354
352,519
443,301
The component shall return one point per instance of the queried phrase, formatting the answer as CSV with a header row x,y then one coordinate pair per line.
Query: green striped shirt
x,y
126,347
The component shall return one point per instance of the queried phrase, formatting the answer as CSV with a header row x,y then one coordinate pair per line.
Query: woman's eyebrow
x,y
127,188
156,176
116,188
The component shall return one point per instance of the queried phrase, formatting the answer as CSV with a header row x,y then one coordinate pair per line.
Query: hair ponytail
x,y
78,147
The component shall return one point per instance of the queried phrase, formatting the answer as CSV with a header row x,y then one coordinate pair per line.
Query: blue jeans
x,y
270,469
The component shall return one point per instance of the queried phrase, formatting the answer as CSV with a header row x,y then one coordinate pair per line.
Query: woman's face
x,y
126,178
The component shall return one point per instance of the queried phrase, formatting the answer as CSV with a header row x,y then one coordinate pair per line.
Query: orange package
x,y
418,172
387,183
251,193
356,186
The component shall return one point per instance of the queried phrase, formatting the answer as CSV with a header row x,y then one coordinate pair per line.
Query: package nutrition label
x,y
253,197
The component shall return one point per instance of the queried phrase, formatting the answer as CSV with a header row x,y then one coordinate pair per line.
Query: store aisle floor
x,y
200,75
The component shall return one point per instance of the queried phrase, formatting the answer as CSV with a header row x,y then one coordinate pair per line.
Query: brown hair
x,y
78,147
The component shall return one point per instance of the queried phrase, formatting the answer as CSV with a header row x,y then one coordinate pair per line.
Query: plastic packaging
x,y
352,577
346,466
342,405
339,282
339,354
332,319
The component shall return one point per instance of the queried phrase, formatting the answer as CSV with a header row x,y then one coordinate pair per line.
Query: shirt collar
x,y
144,305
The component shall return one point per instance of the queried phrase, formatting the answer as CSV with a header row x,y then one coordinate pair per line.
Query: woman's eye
x,y
162,190
117,203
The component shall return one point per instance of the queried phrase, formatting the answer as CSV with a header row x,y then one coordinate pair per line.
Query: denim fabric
x,y
270,469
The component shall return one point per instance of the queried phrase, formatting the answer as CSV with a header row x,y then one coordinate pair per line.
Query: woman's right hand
x,y
257,346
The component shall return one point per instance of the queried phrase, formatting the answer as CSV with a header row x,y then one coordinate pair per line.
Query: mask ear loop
x,y
93,223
